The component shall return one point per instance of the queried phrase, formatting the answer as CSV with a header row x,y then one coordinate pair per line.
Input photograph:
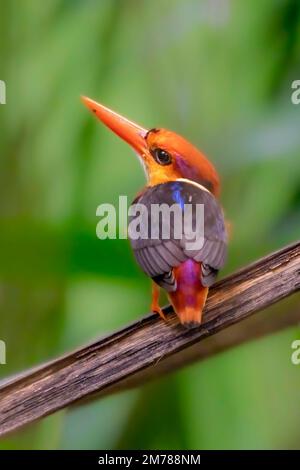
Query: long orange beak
x,y
132,133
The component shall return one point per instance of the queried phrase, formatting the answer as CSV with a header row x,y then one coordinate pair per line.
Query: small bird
x,y
177,173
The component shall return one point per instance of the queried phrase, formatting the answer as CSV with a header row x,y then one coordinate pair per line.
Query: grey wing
x,y
212,253
158,259
158,256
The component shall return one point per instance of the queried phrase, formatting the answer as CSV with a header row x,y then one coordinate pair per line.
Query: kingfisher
x,y
177,173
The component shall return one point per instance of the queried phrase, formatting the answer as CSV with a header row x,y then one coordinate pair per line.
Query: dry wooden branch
x,y
150,346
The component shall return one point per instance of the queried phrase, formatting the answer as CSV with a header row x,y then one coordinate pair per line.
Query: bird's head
x,y
165,155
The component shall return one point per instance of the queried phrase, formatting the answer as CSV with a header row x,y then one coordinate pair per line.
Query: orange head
x,y
166,156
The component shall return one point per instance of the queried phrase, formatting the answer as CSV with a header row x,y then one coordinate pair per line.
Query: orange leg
x,y
155,307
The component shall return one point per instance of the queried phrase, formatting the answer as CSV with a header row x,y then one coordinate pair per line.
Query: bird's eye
x,y
161,156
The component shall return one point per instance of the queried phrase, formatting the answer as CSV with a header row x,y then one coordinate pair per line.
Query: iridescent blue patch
x,y
178,197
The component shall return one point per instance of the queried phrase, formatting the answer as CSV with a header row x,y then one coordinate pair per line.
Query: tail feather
x,y
190,296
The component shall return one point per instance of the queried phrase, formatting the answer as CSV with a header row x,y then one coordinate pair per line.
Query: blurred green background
x,y
218,72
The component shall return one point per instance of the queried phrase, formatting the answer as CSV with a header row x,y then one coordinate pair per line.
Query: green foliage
x,y
223,79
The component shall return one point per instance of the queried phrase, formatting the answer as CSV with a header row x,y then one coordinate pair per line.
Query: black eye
x,y
161,156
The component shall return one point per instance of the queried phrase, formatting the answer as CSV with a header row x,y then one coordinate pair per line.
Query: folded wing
x,y
162,239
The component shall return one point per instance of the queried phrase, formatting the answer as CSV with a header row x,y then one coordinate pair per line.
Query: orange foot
x,y
155,307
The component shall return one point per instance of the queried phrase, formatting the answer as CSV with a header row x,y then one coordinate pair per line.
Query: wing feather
x,y
157,257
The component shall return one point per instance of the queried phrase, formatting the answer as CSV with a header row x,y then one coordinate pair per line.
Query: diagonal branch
x,y
150,347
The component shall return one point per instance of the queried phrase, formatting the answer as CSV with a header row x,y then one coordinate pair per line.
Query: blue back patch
x,y
178,197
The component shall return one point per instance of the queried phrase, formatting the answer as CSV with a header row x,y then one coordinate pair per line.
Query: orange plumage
x,y
190,296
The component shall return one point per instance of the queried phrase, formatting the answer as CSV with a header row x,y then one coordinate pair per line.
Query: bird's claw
x,y
160,312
